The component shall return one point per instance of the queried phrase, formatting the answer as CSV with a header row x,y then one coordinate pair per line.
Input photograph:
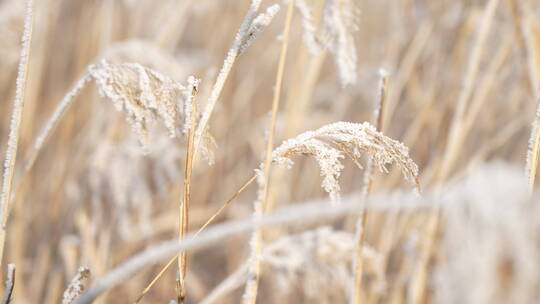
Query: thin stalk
x,y
360,233
534,149
250,294
232,55
184,205
15,125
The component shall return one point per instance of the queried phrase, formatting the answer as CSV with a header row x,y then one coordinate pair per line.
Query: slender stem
x,y
15,125
208,222
232,55
534,149
184,205
360,234
250,295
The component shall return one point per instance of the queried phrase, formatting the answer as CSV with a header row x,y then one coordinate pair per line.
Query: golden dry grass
x,y
118,150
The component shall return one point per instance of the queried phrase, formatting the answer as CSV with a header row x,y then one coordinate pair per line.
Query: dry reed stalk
x,y
304,73
15,123
208,222
360,232
228,63
456,126
184,205
250,294
10,284
534,148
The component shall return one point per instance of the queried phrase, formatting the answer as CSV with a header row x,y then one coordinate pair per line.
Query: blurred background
x,y
94,198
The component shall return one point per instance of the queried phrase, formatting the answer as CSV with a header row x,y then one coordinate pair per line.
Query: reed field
x,y
276,151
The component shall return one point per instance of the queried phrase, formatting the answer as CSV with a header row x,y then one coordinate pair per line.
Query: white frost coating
x,y
16,117
330,143
144,95
76,286
129,88
232,54
255,242
189,95
259,24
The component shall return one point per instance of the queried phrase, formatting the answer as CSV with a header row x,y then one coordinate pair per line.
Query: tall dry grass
x,y
117,159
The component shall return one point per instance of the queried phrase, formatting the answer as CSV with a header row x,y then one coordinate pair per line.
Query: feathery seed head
x,y
144,94
333,142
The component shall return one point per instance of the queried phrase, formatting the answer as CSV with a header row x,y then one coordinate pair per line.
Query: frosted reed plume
x,y
335,33
333,142
145,95
15,123
76,286
328,145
